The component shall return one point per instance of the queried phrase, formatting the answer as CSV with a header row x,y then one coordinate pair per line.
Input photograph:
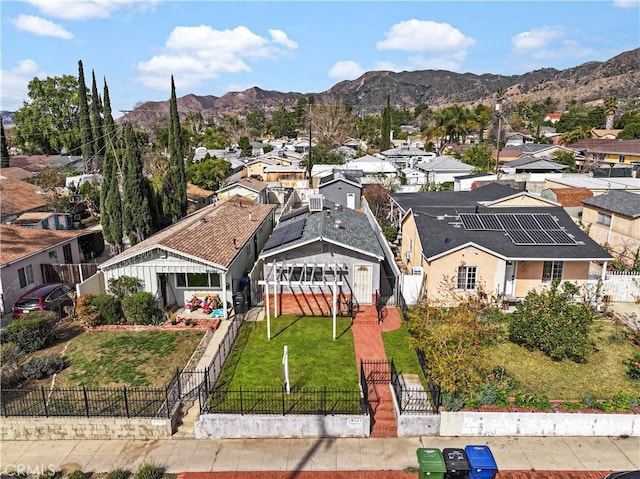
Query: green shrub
x,y
621,401
42,366
124,286
541,403
502,379
551,322
633,367
149,470
117,473
488,394
572,405
33,331
590,401
77,474
452,402
86,312
49,474
109,307
140,308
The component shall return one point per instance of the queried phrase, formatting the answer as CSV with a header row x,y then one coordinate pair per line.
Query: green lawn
x,y
602,375
315,359
404,356
126,358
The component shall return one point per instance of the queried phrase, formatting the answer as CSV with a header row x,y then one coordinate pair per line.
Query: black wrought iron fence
x,y
124,402
278,402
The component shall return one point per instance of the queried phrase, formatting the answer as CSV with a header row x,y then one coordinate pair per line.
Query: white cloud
x,y
86,9
626,3
281,38
41,27
15,84
535,39
196,54
424,36
346,70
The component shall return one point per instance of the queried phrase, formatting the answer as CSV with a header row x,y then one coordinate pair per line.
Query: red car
x,y
51,297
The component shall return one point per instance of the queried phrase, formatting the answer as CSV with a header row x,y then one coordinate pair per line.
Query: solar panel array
x,y
522,228
294,213
285,234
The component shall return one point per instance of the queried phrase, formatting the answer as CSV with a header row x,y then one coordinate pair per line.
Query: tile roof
x,y
353,231
620,202
441,231
19,196
16,242
214,233
16,173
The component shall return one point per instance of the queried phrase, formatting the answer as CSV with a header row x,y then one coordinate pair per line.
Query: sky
x,y
214,47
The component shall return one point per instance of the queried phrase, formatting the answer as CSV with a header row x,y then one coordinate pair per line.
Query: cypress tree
x,y
96,118
110,202
175,182
84,121
385,133
136,216
4,151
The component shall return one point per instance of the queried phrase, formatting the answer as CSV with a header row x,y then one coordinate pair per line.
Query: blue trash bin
x,y
482,465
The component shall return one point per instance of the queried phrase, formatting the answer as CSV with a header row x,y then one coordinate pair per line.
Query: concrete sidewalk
x,y
321,454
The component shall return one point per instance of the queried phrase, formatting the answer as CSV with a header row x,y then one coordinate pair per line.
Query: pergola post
x,y
266,298
275,289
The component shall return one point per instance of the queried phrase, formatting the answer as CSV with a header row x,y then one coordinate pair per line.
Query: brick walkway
x,y
367,339
383,475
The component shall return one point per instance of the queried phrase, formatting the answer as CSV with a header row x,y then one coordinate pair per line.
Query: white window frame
x,y
25,275
552,270
467,279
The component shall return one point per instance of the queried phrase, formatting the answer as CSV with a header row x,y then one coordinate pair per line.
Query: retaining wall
x,y
59,428
474,423
237,426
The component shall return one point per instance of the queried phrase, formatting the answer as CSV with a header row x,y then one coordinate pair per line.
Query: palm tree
x,y
610,108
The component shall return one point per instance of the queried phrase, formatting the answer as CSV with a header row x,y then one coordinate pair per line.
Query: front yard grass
x,y
404,356
603,375
110,359
315,359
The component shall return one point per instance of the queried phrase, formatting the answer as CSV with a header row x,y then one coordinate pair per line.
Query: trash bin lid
x,y
431,459
455,459
480,457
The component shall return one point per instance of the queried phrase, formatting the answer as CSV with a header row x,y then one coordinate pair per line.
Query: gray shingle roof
x,y
417,201
439,234
620,202
354,232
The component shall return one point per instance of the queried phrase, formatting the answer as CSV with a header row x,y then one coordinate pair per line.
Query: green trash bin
x,y
431,463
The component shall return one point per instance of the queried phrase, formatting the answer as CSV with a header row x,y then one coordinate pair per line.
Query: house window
x,y
66,251
604,219
198,280
25,275
306,274
53,257
467,278
621,159
552,270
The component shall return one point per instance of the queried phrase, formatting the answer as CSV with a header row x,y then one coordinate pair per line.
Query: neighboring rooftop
x,y
19,196
620,202
338,175
16,242
215,233
570,197
418,201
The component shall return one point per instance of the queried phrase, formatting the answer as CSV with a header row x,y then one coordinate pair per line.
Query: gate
x,y
376,371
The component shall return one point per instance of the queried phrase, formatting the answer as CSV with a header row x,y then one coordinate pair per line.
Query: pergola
x,y
311,274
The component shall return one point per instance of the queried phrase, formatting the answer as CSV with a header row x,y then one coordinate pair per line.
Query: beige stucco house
x,y
463,245
613,220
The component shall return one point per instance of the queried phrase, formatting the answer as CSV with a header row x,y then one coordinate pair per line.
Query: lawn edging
x,y
486,423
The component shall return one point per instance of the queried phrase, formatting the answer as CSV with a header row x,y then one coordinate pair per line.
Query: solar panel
x,y
471,222
294,213
529,222
560,237
547,222
540,237
491,222
520,237
509,222
285,234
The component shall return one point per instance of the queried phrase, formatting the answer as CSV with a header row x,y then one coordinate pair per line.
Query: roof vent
x,y
315,202
337,223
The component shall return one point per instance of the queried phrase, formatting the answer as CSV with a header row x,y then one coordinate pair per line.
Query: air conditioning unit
x,y
408,254
315,202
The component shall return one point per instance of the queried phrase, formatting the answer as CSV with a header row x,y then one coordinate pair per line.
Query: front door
x,y
351,201
362,283
509,278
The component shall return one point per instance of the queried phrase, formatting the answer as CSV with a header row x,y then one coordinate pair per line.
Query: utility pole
x,y
499,115
310,101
